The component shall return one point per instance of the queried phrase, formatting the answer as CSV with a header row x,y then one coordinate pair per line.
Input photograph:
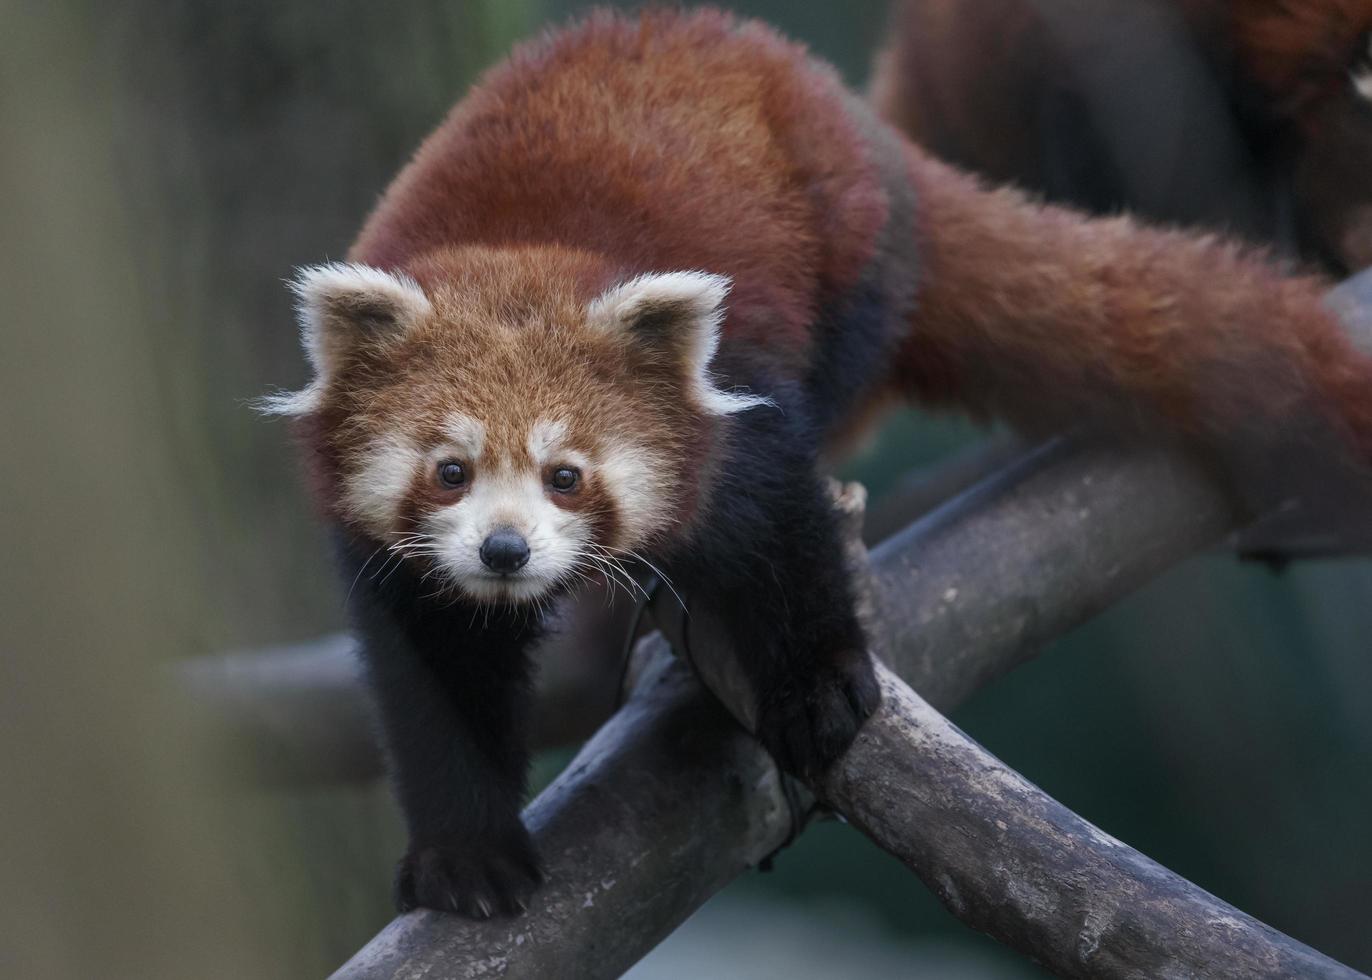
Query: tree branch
x,y
1007,859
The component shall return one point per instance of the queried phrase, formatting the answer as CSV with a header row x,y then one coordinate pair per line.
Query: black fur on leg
x,y
451,682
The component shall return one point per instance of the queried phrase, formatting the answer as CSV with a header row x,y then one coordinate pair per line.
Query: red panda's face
x,y
503,434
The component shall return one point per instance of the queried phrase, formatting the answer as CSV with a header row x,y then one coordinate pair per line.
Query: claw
x,y
475,879
812,724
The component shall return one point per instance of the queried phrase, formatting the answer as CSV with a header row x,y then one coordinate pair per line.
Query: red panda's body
x,y
695,147
530,372
1251,116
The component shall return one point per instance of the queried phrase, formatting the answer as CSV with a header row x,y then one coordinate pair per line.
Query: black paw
x,y
808,724
478,878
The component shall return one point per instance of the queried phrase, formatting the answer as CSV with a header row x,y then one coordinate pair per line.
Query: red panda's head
x,y
511,420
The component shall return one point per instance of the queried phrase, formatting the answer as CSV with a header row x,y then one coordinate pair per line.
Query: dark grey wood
x,y
1007,859
982,583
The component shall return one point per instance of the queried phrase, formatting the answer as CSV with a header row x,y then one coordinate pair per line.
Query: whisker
x,y
583,559
358,576
620,565
657,571
613,566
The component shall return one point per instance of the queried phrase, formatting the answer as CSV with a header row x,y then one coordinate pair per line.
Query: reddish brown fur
x,y
953,78
764,180
1050,318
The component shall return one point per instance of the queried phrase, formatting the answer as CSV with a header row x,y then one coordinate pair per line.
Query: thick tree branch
x,y
1007,859
982,583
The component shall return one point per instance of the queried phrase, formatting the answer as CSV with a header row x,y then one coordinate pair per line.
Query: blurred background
x,y
163,167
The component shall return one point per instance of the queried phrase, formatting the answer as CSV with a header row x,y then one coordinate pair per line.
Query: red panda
x,y
1245,115
615,309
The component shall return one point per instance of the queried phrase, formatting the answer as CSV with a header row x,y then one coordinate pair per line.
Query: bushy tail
x,y
1050,318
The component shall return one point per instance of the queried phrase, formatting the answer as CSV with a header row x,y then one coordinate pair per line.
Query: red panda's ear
x,y
341,307
677,314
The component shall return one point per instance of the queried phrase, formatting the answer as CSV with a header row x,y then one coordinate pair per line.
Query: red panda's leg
x,y
451,684
1050,318
768,563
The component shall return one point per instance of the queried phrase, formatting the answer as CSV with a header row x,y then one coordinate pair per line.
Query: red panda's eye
x,y
451,474
564,478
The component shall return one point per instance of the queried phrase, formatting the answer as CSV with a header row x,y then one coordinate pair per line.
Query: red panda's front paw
x,y
477,879
807,724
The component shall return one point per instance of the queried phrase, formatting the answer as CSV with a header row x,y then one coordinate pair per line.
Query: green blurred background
x,y
163,167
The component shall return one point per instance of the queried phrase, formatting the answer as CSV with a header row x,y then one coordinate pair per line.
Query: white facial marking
x,y
378,482
634,479
701,295
466,435
547,445
545,439
506,497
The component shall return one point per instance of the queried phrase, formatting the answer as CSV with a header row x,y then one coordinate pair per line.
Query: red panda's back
x,y
666,141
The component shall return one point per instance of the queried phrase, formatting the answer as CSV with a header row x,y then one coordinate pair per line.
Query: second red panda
x,y
615,308
1249,115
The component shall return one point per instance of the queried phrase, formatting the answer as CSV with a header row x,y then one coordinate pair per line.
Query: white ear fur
x,y
340,304
681,311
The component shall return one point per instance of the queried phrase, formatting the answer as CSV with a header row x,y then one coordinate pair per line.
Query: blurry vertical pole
x,y
110,843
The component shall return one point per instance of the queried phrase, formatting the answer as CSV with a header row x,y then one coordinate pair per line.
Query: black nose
x,y
505,551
